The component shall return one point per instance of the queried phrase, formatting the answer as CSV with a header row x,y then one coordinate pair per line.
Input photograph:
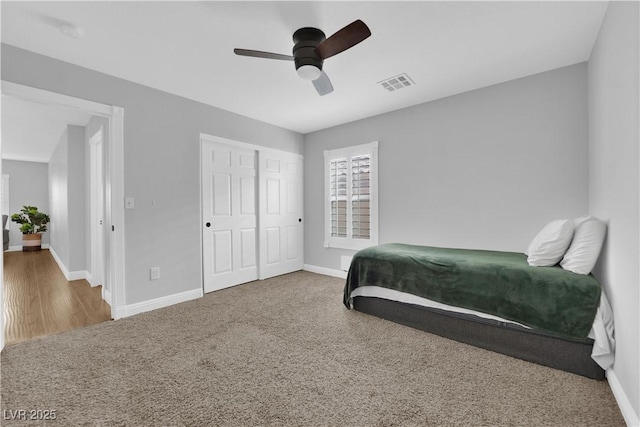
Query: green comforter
x,y
548,299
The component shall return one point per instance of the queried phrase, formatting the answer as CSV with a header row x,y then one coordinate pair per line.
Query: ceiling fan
x,y
312,47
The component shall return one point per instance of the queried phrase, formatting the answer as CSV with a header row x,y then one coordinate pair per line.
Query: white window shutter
x,y
351,203
361,196
338,197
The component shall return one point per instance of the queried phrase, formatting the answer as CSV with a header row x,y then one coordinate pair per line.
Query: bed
x,y
489,299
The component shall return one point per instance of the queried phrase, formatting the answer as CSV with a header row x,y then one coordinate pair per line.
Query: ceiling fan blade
x,y
260,54
323,84
342,40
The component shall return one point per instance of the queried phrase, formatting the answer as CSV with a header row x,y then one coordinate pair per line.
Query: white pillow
x,y
585,247
550,244
580,220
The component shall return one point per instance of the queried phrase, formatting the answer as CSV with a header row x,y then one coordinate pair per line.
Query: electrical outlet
x,y
154,273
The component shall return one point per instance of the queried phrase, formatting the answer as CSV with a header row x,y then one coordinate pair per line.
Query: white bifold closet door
x,y
229,213
252,213
281,206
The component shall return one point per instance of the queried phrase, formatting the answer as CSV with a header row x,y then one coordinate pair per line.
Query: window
x,y
351,207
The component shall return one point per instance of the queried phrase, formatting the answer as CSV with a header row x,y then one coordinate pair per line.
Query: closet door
x,y
229,214
281,207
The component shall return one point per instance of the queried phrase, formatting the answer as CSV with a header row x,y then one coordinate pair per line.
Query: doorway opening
x,y
104,236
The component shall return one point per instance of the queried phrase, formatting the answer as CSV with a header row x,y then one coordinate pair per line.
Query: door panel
x,y
248,161
292,238
273,245
248,248
292,198
281,207
229,215
272,164
222,251
247,195
273,196
221,194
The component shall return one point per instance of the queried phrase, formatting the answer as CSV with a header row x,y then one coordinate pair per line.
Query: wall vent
x,y
396,82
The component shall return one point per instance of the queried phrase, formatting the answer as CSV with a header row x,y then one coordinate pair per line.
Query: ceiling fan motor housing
x,y
304,51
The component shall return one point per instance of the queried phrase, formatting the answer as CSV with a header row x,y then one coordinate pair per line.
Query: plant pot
x,y
31,242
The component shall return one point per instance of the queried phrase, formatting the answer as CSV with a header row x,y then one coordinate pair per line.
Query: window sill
x,y
350,244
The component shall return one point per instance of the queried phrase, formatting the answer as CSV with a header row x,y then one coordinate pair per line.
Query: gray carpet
x,y
285,352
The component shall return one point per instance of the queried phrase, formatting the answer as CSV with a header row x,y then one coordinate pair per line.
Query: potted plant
x,y
32,224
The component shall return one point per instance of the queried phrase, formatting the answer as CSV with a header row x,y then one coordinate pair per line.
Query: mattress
x,y
601,330
548,299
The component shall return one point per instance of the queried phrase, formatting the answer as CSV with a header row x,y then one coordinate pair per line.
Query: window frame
x,y
349,242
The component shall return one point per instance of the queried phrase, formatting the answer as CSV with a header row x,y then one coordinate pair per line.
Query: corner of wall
x,y
614,187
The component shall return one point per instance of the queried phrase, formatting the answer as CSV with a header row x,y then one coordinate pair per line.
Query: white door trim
x,y
239,144
114,180
96,210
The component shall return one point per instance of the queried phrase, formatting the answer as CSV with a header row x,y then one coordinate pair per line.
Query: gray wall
x,y
67,180
28,185
614,193
58,176
76,198
161,166
485,169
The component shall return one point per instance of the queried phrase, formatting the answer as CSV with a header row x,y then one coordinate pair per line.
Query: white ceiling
x,y
31,131
186,48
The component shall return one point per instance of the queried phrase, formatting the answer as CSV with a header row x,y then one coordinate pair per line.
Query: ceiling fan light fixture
x,y
311,47
309,72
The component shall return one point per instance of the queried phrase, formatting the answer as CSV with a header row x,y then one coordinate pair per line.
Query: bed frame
x,y
506,338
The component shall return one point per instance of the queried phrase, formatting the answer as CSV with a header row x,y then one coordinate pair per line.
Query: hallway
x,y
39,301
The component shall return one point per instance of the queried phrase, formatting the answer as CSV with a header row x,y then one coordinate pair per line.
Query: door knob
x,y
208,224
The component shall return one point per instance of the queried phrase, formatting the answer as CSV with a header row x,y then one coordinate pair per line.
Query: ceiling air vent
x,y
396,82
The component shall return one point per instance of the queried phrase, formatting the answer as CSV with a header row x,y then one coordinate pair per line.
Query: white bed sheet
x,y
601,330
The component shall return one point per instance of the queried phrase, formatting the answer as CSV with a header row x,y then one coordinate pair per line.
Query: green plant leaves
x,y
32,221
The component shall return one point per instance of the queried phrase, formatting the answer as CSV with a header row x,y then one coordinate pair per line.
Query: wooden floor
x,y
39,301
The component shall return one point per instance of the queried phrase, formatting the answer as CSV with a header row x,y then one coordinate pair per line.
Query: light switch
x,y
128,203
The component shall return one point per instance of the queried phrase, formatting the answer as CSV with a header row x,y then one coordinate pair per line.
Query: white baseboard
x,y
106,295
154,304
58,261
326,271
69,275
19,248
628,413
91,280
77,275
